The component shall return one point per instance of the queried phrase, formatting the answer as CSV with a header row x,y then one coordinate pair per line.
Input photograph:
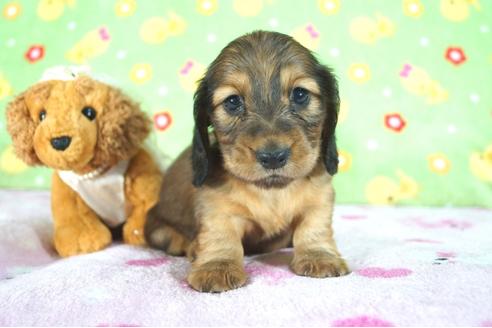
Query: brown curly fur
x,y
120,130
116,134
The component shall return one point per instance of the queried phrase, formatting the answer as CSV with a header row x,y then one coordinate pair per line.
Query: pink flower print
x,y
406,70
270,274
149,262
376,272
361,321
423,240
445,223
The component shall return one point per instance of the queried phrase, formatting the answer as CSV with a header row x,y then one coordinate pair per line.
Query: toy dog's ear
x,y
122,128
331,102
200,155
21,128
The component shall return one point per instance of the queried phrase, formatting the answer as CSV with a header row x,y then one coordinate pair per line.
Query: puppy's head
x,y
75,125
273,109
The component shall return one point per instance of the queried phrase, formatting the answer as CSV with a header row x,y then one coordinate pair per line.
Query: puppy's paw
x,y
217,276
80,239
133,234
319,264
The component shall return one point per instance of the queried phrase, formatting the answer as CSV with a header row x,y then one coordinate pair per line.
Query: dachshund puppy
x,y
258,174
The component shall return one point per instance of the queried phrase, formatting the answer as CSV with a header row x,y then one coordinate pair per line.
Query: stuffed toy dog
x,y
91,134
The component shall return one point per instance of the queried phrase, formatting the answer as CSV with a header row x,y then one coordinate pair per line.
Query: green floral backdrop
x,y
415,79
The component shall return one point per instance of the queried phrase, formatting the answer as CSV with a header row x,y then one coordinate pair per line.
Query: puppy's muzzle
x,y
273,158
61,143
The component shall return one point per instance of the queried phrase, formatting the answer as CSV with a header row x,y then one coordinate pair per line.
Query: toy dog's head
x,y
77,125
273,108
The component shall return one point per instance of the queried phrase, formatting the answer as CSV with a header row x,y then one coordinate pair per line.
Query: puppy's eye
x,y
89,112
234,104
42,115
300,96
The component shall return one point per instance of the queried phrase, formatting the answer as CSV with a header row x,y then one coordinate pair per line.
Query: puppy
x,y
261,179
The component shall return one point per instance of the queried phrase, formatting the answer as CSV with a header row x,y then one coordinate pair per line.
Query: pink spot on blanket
x,y
375,272
362,321
422,240
487,323
446,254
354,216
117,325
149,262
271,275
445,223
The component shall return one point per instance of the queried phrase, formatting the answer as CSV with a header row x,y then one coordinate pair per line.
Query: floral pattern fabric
x,y
415,125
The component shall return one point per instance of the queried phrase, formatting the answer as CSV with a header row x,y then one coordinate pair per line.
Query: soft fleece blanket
x,y
411,266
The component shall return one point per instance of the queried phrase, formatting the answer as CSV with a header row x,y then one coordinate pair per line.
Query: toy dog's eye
x,y
234,104
42,115
300,96
89,112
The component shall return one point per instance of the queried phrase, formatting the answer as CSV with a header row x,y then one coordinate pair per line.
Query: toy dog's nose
x,y
273,159
61,143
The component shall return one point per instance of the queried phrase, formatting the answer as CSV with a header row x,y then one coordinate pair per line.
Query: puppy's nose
x,y
273,158
61,143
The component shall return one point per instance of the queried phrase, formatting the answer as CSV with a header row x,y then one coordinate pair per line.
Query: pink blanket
x,y
411,266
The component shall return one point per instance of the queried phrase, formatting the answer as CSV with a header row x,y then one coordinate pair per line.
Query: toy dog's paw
x,y
217,276
80,239
133,234
319,264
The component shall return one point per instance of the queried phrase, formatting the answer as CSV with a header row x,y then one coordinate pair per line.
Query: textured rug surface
x,y
410,266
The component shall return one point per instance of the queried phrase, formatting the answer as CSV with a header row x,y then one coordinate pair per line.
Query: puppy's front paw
x,y
217,276
319,264
133,234
80,239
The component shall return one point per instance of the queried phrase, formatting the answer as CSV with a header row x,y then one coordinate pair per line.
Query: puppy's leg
x,y
164,237
142,184
218,263
78,229
315,252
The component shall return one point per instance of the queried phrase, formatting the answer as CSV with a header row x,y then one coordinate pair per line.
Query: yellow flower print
x,y
329,7
206,7
307,35
417,81
359,72
5,88
176,25
457,10
141,73
439,163
382,190
12,10
481,164
10,163
344,161
93,44
156,30
368,30
413,8
50,10
153,30
190,73
125,8
343,113
247,8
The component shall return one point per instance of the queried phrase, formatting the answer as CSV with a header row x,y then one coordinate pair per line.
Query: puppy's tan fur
x,y
235,205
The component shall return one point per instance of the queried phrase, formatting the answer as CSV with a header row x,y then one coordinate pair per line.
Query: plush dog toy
x,y
92,135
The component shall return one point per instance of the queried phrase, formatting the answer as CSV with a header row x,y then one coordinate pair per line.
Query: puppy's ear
x,y
331,102
21,127
122,128
200,155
